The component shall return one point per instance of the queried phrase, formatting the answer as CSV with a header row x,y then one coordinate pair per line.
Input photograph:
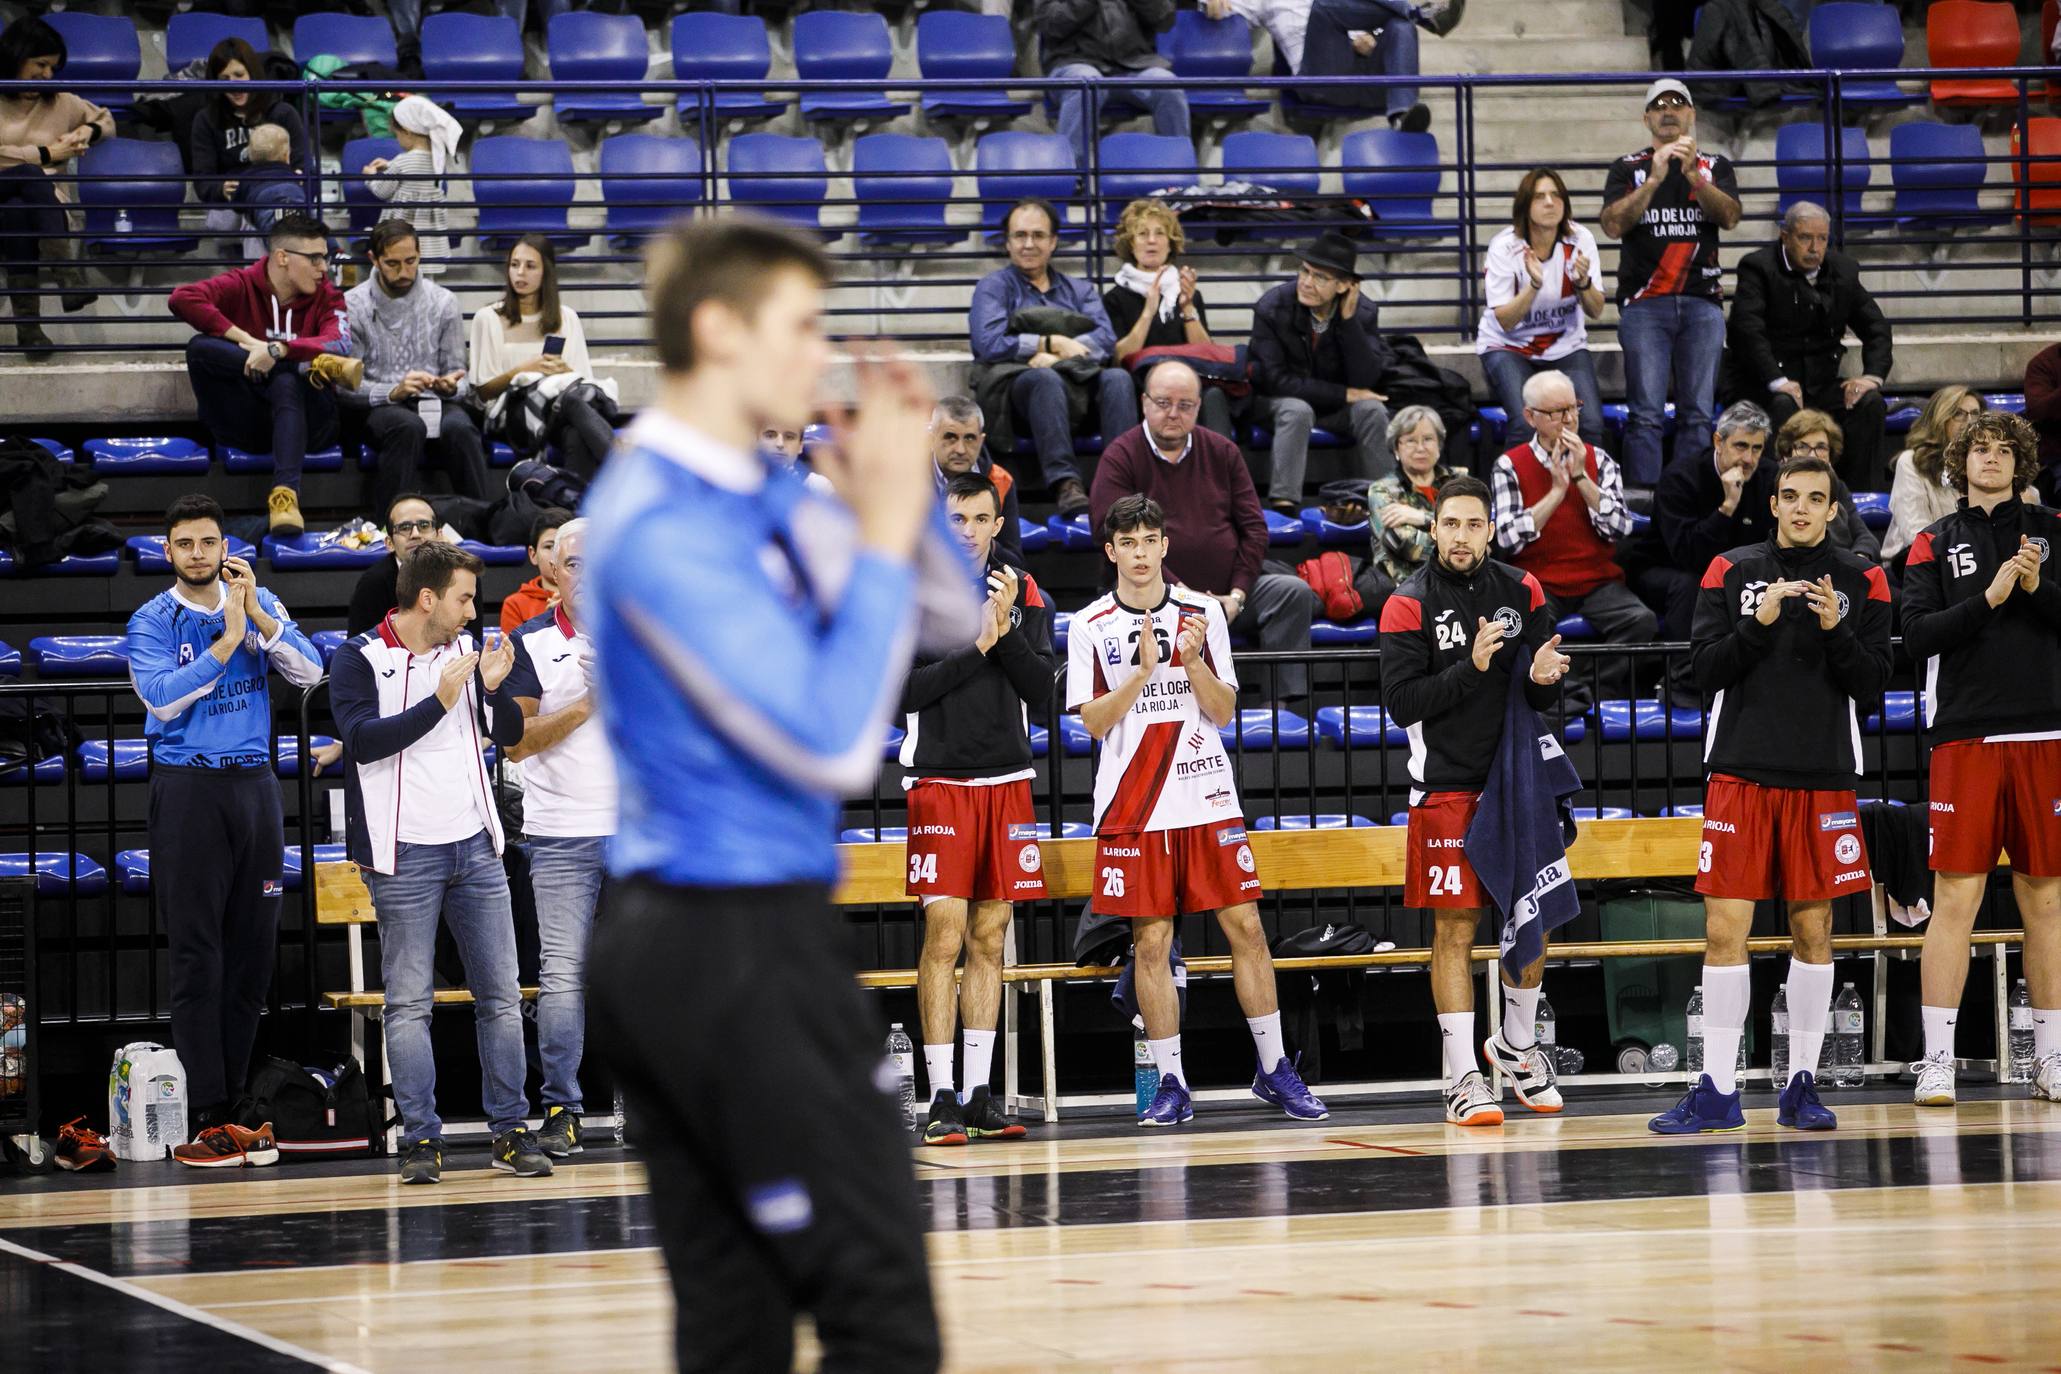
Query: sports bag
x,y
1330,576
1222,366
318,1113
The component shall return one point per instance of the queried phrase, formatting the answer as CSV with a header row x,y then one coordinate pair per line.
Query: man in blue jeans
x,y
412,701
568,810
1666,204
1108,40
1341,32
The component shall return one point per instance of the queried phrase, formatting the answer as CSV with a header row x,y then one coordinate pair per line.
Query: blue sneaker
x,y
1283,1087
1171,1105
1702,1109
1800,1107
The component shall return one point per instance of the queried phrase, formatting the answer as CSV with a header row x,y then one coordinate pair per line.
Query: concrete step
x,y
1465,52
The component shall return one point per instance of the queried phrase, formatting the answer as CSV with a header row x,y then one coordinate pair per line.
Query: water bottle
x,y
619,1120
123,224
1778,1042
2021,1034
1144,1073
902,1054
1662,1061
1695,1019
1567,1060
1848,1026
1546,1030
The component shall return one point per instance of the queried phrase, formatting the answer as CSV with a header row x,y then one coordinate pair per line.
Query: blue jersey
x,y
745,688
205,713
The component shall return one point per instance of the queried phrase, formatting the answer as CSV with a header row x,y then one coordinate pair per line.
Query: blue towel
x,y
1517,843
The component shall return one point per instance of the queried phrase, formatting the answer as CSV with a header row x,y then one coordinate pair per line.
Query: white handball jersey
x,y
1163,765
1555,326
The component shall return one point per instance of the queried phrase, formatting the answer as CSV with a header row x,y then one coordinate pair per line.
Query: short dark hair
x,y
1809,463
1134,512
1042,206
389,232
430,568
195,507
409,496
967,485
548,519
294,224
725,260
1456,487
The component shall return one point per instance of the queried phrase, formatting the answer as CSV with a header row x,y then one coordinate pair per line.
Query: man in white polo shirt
x,y
568,812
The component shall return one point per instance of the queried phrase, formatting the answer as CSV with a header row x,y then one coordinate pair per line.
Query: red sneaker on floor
x,y
230,1147
80,1147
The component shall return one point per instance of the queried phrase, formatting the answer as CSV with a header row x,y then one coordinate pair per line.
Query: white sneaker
x,y
1935,1080
1470,1103
2046,1078
1530,1072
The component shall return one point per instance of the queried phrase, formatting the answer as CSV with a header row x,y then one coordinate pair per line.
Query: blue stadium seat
x,y
146,456
61,452
365,209
1040,740
1036,538
1399,173
1601,813
80,655
149,552
1873,508
242,460
1200,46
1358,727
1329,532
1647,720
1333,634
290,873
132,870
1062,621
308,551
1574,627
73,565
56,874
1938,171
903,185
1898,716
524,186
586,46
1688,809
2013,401
784,177
10,660
1071,534
45,772
191,36
474,47
952,45
1286,162
839,45
496,555
1134,165
354,38
289,764
1803,167
647,182
1283,529
131,760
1009,166
723,47
327,642
1574,730
1860,35
1262,727
149,183
1328,821
1074,739
99,48
891,747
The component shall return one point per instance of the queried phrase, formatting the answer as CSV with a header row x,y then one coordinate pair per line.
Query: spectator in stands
x,y
541,592
785,444
1317,355
2043,409
1342,31
1918,490
1045,378
1286,22
531,332
568,813
1666,204
218,149
1796,300
411,336
1542,291
1814,434
412,184
958,445
271,186
413,701
1154,303
1400,505
411,522
1216,534
1559,514
41,132
270,343
1108,40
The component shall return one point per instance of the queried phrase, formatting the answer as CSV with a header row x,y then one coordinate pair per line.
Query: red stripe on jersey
x,y
1714,575
1101,682
1878,583
1538,345
1105,611
1921,549
1402,613
1671,271
1137,791
1031,595
1538,593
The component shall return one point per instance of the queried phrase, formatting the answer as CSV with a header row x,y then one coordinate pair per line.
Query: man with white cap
x,y
1666,204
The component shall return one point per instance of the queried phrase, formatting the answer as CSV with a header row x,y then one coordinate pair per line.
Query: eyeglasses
x,y
1561,413
1031,236
1173,407
319,259
413,526
1668,101
1820,449
1417,441
1321,278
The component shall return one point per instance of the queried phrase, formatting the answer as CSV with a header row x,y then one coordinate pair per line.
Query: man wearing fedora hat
x,y
1666,204
1317,355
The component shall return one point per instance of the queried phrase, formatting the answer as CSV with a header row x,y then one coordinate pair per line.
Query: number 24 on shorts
x,y
1445,880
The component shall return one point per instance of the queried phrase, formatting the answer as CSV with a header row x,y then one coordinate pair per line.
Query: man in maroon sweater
x,y
1216,536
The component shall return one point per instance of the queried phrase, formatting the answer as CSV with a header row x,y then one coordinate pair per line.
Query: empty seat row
x,y
128,760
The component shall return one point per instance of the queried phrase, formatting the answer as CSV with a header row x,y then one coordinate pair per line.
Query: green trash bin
x,y
1647,1000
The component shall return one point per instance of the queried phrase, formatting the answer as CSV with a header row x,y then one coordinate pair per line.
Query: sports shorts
x,y
1174,872
976,843
1996,795
1435,868
1800,844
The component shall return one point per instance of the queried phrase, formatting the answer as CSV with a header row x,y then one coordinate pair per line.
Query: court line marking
x,y
184,1310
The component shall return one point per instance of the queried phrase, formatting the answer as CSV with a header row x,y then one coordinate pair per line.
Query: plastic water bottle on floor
x,y
123,224
902,1053
2021,1034
1695,1019
1144,1073
619,1120
1849,1025
1778,1040
1546,1030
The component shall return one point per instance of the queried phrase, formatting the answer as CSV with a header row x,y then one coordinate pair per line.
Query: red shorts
x,y
979,844
1174,872
1789,842
1989,797
1435,870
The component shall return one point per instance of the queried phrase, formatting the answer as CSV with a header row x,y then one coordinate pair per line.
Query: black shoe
x,y
1414,120
32,341
423,1163
984,1118
1440,17
561,1134
516,1152
947,1124
1071,498
75,301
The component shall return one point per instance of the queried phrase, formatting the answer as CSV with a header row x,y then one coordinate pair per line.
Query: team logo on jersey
x,y
2057,808
2041,544
1512,623
1022,830
1245,859
273,887
1844,605
1113,650
1848,850
1029,859
1219,799
1231,834
1837,820
185,654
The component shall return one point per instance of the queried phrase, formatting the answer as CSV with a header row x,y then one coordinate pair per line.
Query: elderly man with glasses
x,y
1216,534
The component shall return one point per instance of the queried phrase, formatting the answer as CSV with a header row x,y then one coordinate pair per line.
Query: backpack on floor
x,y
319,1113
1330,576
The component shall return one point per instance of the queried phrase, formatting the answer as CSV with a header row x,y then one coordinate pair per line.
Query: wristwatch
x,y
276,349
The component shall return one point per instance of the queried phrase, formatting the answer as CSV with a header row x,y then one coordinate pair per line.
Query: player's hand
x,y
1488,637
325,755
496,662
2008,576
1148,647
1194,633
2028,560
1771,601
1549,665
235,615
240,580
451,684
880,461
1821,597
989,633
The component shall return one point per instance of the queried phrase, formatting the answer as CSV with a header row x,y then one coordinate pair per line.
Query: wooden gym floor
x,y
1380,1239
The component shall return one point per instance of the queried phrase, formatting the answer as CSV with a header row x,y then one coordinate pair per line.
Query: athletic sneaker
x,y
1470,1103
1171,1105
560,1137
1702,1110
229,1146
80,1147
1282,1087
1530,1072
1800,1107
423,1162
985,1119
2046,1078
1935,1080
516,1152
947,1124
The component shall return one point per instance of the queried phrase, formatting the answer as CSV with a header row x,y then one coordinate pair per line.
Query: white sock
x,y
1457,1030
937,1060
1727,994
1266,1038
1166,1057
1810,1005
2046,1033
1521,1017
1939,1030
980,1056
